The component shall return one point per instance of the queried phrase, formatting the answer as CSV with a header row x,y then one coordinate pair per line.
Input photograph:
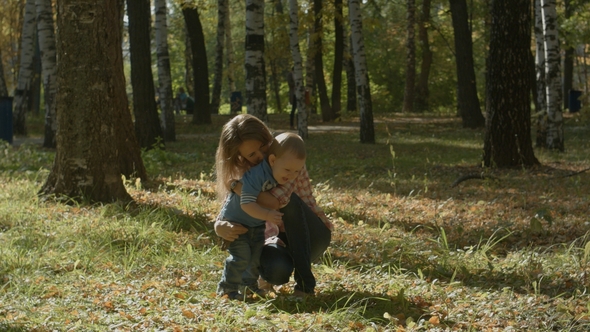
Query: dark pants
x,y
306,236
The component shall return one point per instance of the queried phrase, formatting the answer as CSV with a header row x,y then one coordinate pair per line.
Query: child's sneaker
x,y
234,295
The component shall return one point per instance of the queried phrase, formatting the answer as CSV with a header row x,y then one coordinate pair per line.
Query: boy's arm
x,y
259,212
265,198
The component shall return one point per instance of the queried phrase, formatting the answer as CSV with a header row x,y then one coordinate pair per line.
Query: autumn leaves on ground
x,y
504,251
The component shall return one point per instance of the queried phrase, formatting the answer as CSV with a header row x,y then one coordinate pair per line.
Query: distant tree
x,y
255,68
410,57
467,99
46,35
362,75
222,8
25,69
327,113
350,79
230,62
555,138
202,112
568,56
508,137
302,107
3,88
165,94
147,122
338,59
95,140
422,92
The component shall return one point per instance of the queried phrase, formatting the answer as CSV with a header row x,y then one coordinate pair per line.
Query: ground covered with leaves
x,y
415,248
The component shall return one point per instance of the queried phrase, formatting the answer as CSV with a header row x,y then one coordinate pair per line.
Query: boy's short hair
x,y
288,142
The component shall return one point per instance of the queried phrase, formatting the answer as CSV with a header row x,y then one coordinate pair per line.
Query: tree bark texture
x,y
507,137
367,130
46,34
165,94
94,132
422,91
202,113
338,59
555,138
147,122
254,62
408,105
302,107
222,6
25,69
467,99
327,114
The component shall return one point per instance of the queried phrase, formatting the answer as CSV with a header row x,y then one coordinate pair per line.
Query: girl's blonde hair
x,y
229,165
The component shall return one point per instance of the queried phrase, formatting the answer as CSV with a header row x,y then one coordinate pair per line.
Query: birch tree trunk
x,y
553,76
47,45
541,84
147,123
164,77
408,105
254,60
25,69
362,75
88,160
218,70
302,107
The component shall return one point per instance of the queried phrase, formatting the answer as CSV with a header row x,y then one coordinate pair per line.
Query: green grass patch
x,y
410,252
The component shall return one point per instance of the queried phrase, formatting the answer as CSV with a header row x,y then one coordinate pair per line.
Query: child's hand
x,y
275,217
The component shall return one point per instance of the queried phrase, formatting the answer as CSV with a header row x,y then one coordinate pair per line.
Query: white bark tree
x,y
302,107
25,69
46,33
552,75
361,73
541,84
164,77
254,60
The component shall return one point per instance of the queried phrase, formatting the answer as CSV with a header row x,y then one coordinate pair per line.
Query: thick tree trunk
x,y
189,76
147,122
507,138
218,70
467,99
91,130
367,132
254,64
555,138
408,105
338,60
164,76
302,107
47,45
202,112
422,92
27,52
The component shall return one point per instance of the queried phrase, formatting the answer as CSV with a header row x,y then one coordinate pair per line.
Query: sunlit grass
x,y
409,251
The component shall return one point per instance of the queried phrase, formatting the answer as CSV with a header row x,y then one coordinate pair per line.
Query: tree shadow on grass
x,y
377,308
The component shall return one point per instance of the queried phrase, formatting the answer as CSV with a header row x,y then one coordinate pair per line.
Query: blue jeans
x,y
241,267
306,237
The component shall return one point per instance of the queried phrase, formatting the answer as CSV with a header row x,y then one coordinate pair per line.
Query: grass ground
x,y
410,251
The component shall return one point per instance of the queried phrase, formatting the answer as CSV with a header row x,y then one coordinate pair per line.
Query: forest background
x,y
507,249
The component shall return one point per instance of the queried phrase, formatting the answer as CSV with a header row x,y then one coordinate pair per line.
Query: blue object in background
x,y
574,101
6,119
